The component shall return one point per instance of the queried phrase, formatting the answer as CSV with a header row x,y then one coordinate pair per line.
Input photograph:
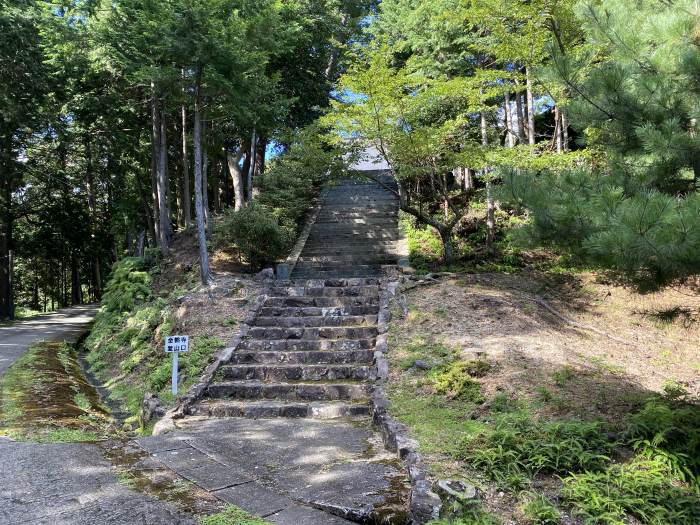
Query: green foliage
x,y
472,514
128,285
540,511
232,515
670,433
643,488
257,233
457,380
517,447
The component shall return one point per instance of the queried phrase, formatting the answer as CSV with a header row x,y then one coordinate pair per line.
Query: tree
x,y
634,88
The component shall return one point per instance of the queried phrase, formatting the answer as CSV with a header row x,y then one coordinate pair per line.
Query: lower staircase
x,y
310,351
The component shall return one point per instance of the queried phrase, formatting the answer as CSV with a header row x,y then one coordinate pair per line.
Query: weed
x,y
540,511
232,515
563,376
673,429
471,514
518,447
503,403
674,390
643,488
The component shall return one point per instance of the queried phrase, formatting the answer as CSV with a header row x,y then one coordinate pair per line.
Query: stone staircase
x,y
310,350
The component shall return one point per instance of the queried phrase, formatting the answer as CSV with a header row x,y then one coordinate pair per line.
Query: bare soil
x,y
602,347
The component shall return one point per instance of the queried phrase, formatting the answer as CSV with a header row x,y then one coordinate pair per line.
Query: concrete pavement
x,y
63,325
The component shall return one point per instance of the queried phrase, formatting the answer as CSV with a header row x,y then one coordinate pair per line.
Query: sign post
x,y
174,344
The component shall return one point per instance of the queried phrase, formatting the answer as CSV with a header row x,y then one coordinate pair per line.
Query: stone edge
x,y
294,255
424,504
185,403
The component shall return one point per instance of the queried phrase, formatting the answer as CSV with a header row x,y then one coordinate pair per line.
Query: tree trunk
x,y
205,273
490,206
74,279
205,179
234,168
163,206
335,51
530,109
564,129
260,156
251,168
448,252
520,117
186,198
92,208
155,159
510,131
557,130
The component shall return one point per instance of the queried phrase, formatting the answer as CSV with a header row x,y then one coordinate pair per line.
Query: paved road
x,y
64,325
72,484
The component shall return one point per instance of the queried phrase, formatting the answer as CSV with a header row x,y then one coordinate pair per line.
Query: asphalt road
x,y
63,325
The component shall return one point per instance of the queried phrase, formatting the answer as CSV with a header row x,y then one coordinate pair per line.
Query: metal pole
x,y
175,373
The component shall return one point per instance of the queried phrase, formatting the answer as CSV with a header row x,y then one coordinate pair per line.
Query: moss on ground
x,y
232,515
44,397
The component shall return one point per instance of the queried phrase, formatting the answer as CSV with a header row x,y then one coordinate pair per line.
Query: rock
x,y
151,407
454,490
421,364
267,273
425,504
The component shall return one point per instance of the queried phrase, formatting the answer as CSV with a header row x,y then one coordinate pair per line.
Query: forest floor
x,y
505,379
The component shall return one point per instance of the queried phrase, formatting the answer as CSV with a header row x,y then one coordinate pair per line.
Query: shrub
x,y
457,381
128,285
257,233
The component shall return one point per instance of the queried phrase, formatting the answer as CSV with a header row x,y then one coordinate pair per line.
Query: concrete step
x,y
369,258
322,302
305,345
325,332
337,357
296,372
316,321
270,409
312,311
289,391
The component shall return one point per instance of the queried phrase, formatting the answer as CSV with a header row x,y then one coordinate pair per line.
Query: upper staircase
x,y
310,351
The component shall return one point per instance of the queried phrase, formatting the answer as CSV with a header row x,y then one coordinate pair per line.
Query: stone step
x,y
322,302
337,357
333,236
289,390
305,345
338,273
313,311
270,409
383,220
333,283
296,372
306,267
325,332
369,258
324,291
316,321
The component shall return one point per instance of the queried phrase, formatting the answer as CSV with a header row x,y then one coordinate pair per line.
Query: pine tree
x,y
636,97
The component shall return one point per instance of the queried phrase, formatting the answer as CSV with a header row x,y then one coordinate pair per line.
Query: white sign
x,y
174,344
177,343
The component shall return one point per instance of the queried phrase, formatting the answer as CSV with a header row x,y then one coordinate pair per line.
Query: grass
x,y
232,515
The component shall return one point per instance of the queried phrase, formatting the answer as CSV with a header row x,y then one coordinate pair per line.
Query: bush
x,y
457,381
128,285
256,232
